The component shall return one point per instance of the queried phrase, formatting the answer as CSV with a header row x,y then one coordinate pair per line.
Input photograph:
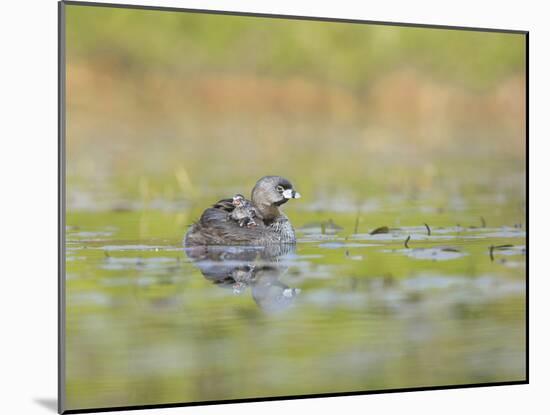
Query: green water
x,y
149,323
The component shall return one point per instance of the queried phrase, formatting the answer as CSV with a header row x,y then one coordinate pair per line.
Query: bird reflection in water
x,y
258,268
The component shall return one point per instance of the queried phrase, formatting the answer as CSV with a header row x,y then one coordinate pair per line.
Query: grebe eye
x,y
280,189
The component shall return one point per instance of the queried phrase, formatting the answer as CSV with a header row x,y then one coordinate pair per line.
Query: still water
x,y
347,309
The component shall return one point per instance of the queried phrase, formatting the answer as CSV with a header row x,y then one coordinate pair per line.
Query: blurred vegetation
x,y
352,55
175,104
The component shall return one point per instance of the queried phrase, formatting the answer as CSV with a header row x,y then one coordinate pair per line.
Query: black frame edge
x,y
527,278
61,70
292,397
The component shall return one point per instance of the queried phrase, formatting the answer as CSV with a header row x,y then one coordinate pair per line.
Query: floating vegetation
x,y
325,227
353,257
381,229
330,226
428,229
450,249
483,222
506,249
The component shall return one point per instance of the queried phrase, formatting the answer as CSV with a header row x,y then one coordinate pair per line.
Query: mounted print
x,y
257,207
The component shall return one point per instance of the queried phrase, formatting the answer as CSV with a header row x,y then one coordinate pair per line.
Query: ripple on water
x,y
433,254
483,287
90,234
418,233
138,247
336,245
123,263
512,250
417,292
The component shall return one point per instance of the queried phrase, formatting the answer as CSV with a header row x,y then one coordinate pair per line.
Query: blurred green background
x,y
179,104
375,126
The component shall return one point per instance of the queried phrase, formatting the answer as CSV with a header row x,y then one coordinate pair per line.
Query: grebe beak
x,y
291,194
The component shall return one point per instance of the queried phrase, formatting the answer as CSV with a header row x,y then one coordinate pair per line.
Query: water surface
x,y
344,310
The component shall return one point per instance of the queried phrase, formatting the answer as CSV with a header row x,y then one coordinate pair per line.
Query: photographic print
x,y
261,207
